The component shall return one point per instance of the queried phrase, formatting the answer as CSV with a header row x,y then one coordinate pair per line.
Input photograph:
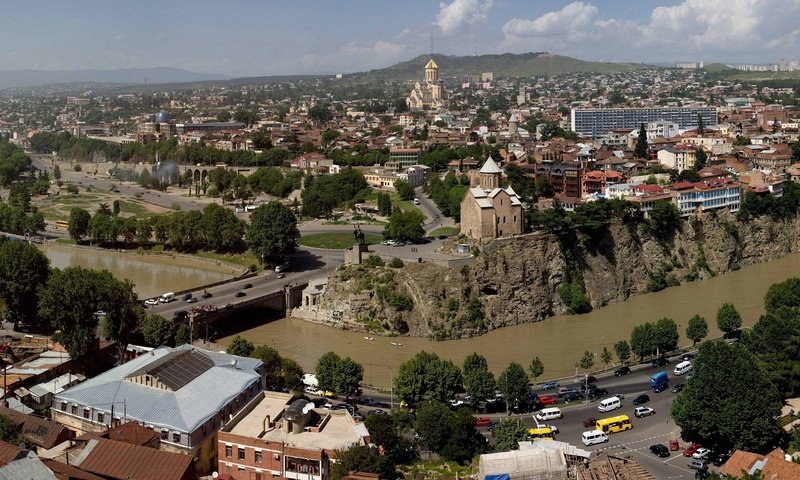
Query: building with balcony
x,y
698,197
277,437
594,122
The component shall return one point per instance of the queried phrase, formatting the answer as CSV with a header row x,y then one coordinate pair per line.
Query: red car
x,y
590,422
690,450
547,400
483,422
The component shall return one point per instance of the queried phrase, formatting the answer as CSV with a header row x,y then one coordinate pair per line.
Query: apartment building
x,y
277,437
679,157
594,122
697,197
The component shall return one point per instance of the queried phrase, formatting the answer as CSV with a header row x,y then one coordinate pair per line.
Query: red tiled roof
x,y
118,460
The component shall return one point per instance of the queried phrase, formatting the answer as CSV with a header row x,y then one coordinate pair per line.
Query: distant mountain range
x,y
503,65
31,78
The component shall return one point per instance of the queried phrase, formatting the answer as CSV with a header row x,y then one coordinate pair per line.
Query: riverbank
x,y
152,273
559,341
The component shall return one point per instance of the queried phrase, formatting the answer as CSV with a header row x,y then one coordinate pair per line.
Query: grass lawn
x,y
336,240
67,241
133,207
448,231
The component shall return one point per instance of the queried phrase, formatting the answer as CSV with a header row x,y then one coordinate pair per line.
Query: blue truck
x,y
659,382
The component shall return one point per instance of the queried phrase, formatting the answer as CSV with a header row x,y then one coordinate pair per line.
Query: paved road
x,y
658,428
435,218
305,265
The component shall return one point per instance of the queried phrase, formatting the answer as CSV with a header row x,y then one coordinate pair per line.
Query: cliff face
x,y
518,281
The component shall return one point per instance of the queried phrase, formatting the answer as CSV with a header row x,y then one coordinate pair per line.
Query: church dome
x,y
162,117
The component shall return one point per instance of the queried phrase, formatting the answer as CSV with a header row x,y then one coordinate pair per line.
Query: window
x,y
63,406
176,437
164,434
228,451
241,453
85,413
258,457
74,409
258,476
101,417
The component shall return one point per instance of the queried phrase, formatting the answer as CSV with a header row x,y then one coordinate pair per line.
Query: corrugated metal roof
x,y
39,431
184,409
114,459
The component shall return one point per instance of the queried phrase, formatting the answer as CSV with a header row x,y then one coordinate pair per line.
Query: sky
x,y
269,37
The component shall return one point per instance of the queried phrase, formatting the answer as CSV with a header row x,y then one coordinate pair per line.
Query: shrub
x,y
73,189
373,261
396,263
77,167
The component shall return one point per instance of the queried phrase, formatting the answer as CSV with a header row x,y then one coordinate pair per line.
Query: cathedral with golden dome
x,y
430,94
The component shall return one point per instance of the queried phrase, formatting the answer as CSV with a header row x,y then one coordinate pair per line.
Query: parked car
x,y
552,428
247,285
240,294
698,465
563,390
358,417
590,422
640,412
701,453
687,357
622,371
618,395
547,400
677,388
482,422
311,389
643,398
690,450
187,296
572,396
588,379
660,362
376,412
151,302
720,459
659,450
550,385
281,275
100,313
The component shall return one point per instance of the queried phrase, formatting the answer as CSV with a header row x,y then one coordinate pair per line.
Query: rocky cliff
x,y
522,280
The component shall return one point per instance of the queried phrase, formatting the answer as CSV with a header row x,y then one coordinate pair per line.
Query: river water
x,y
558,341
152,274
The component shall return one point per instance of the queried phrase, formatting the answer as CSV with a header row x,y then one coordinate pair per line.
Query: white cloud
x,y
723,30
354,57
453,15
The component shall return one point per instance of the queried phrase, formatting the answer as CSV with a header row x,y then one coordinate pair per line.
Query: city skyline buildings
x,y
246,38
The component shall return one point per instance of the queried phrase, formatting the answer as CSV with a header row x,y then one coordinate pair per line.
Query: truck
x,y
659,382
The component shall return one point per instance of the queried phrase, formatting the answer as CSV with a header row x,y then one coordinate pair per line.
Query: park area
x,y
336,240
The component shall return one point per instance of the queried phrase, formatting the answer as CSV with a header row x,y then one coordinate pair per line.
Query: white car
x,y
312,390
701,453
640,412
151,302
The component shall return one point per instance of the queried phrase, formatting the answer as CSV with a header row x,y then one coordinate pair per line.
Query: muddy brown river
x,y
558,341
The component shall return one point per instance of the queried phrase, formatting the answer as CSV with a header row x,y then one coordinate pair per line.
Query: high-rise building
x,y
593,122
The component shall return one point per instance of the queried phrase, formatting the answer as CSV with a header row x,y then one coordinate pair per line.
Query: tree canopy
x,y
478,380
425,376
23,270
340,375
272,231
728,318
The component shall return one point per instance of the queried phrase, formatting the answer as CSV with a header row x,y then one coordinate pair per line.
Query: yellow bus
x,y
620,423
541,432
62,224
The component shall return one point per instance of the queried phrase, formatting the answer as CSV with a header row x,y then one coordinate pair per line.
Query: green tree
x,y
224,116
9,432
24,269
337,374
665,220
700,126
385,431
433,425
329,136
362,458
536,368
326,370
508,433
240,346
292,374
404,189
384,204
606,356
56,172
640,150
273,364
426,376
783,294
643,340
623,351
406,226
272,231
696,329
728,318
78,223
586,361
666,335
730,402
71,296
478,380
158,331
700,158
320,113
183,334
513,384
464,441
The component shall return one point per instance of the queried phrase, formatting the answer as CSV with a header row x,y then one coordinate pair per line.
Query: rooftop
x,y
197,396
112,459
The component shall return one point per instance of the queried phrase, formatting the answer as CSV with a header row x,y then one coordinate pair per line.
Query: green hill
x,y
503,65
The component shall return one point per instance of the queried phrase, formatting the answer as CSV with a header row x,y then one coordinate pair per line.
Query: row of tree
x,y
13,162
448,193
272,230
323,193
